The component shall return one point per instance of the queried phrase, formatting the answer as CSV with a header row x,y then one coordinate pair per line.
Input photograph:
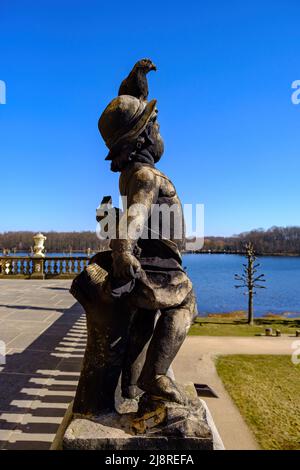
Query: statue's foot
x,y
131,391
163,388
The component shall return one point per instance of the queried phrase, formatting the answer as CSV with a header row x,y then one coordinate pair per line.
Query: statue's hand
x,y
125,266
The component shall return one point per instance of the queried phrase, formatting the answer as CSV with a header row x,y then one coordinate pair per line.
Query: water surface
x,y
213,279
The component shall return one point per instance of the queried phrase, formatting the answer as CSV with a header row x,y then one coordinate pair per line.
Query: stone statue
x,y
138,299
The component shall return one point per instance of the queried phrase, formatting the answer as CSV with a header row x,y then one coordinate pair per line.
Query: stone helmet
x,y
124,119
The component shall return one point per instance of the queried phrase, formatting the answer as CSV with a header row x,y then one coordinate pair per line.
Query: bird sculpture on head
x,y
136,84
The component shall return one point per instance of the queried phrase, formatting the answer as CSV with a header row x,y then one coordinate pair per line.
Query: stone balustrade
x,y
25,267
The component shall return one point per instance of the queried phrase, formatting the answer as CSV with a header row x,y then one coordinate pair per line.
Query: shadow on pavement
x,y
37,384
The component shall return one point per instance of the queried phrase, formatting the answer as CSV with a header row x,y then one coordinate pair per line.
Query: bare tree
x,y
249,279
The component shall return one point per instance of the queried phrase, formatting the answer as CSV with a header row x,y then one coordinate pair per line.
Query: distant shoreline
x,y
242,315
204,252
240,253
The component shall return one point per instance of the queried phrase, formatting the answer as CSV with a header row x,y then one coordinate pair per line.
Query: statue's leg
x,y
140,332
169,334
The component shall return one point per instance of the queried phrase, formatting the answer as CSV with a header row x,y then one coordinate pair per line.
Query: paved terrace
x,y
44,331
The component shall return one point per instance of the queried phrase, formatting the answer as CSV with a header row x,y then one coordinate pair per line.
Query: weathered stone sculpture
x,y
138,299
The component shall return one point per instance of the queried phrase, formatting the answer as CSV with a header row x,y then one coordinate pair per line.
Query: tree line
x,y
276,240
56,241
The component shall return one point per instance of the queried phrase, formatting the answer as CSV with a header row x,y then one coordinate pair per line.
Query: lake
x,y
213,279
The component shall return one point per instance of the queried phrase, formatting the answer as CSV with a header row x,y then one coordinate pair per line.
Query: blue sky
x,y
223,87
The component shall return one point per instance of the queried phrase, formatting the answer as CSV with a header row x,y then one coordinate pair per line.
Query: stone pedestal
x,y
38,268
159,426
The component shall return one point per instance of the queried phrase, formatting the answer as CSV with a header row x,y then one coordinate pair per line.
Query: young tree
x,y
249,280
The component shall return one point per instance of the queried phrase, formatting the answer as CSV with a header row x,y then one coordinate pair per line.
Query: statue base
x,y
160,426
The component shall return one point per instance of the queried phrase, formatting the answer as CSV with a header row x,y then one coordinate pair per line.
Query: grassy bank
x,y
266,390
236,325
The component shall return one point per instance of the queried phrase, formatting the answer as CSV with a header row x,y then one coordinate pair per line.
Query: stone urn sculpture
x,y
39,248
38,255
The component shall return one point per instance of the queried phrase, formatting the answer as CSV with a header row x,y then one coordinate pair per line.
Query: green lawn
x,y
226,325
266,390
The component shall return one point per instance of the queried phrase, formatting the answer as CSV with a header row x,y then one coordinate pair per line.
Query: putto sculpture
x,y
138,298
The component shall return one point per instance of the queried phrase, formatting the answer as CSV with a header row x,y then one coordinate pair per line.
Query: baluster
x,y
51,267
22,266
2,266
55,267
68,266
8,267
26,267
60,269
30,266
46,267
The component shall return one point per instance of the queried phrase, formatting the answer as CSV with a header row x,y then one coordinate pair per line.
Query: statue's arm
x,y
141,191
